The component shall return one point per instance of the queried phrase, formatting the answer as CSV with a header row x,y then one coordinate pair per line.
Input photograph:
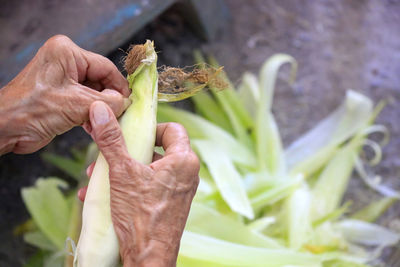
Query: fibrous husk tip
x,y
136,54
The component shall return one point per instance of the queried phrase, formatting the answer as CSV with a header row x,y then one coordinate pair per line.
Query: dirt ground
x,y
339,44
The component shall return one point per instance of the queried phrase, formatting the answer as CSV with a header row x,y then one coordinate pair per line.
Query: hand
x,y
53,93
149,204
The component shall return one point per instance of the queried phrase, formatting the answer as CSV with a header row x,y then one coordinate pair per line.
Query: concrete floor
x,y
339,45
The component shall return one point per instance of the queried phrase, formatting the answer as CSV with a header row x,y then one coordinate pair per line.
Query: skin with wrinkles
x,y
149,203
53,93
65,86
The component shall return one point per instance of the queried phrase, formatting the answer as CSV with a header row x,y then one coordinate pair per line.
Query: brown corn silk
x,y
178,83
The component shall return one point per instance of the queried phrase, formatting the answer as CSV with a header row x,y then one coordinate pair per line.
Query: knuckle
x,y
187,160
121,168
193,161
57,42
196,182
176,126
107,61
109,137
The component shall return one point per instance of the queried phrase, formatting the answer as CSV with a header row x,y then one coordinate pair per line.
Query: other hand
x,y
53,93
149,203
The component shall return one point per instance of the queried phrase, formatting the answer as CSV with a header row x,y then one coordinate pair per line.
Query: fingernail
x,y
111,92
100,113
127,103
80,194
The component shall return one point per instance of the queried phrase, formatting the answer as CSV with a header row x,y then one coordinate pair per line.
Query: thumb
x,y
106,133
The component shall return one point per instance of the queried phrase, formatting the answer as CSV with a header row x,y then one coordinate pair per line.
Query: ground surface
x,y
339,44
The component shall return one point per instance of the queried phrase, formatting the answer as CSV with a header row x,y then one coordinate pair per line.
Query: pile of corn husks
x,y
258,204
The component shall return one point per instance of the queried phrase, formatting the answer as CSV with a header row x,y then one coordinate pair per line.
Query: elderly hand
x,y
149,204
53,93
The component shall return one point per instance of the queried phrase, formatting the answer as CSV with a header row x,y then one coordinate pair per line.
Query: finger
x,y
115,100
87,127
101,70
82,193
89,169
157,156
172,137
85,96
94,85
29,146
107,133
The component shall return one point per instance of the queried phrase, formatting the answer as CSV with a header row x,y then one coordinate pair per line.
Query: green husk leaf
x,y
332,216
48,208
226,177
54,260
312,151
239,119
72,167
37,260
199,128
207,221
249,93
374,210
209,109
261,224
278,192
38,239
268,143
341,263
217,251
365,233
231,103
332,183
298,208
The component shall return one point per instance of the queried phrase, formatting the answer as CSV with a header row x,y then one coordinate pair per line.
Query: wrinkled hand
x,y
53,93
149,204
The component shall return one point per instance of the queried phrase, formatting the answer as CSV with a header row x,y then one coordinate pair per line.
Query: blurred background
x,y
339,45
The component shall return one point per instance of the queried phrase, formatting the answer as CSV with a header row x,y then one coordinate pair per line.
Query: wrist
x,y
155,254
8,114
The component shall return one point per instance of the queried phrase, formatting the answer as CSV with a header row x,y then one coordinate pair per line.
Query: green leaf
x,y
367,233
189,262
54,260
230,100
298,208
48,208
199,128
206,106
278,192
207,221
340,263
374,210
38,239
261,224
225,175
332,216
37,260
206,185
249,93
240,119
73,168
331,185
268,142
79,154
312,150
216,251
240,129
